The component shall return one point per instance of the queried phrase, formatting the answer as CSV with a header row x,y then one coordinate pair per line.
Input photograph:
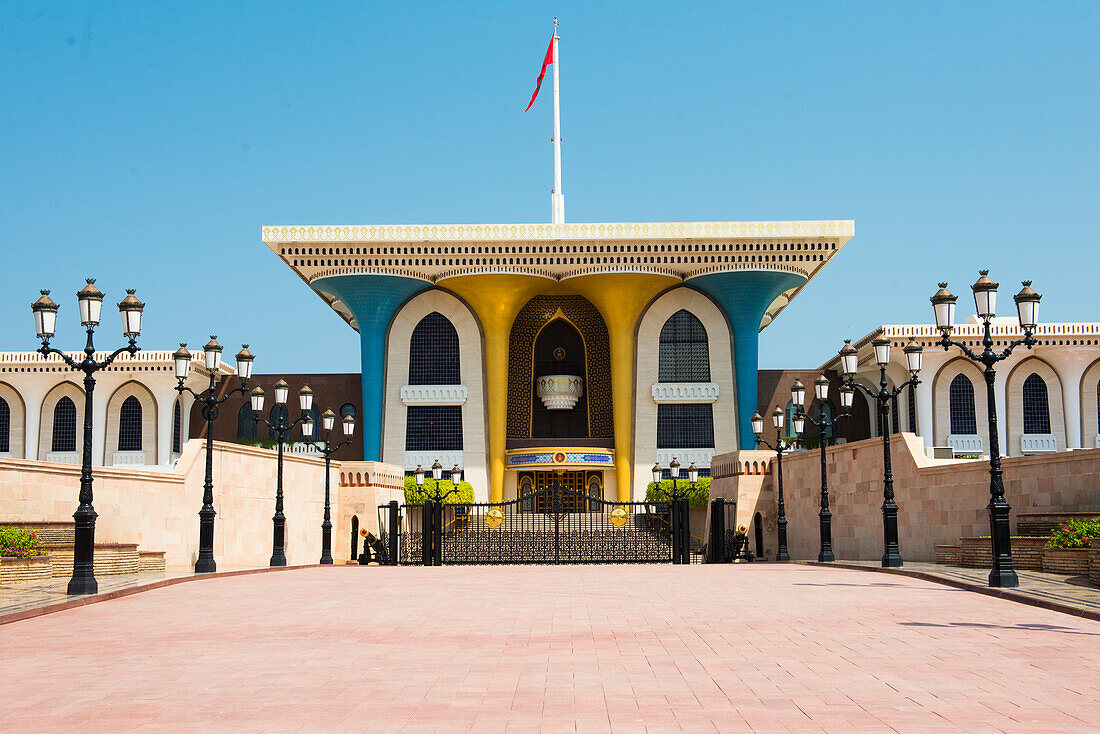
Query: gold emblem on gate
x,y
559,458
494,517
618,517
559,353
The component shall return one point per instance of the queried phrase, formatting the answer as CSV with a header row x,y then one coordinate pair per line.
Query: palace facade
x,y
517,351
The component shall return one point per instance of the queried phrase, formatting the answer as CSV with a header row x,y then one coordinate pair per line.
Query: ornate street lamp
x,y
210,401
328,420
849,359
281,427
798,394
1027,311
90,302
823,423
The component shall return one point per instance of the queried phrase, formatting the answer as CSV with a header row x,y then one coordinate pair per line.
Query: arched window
x,y
129,425
64,426
278,413
5,427
830,414
960,396
894,425
789,413
1098,406
177,428
1036,406
348,409
683,354
246,426
433,352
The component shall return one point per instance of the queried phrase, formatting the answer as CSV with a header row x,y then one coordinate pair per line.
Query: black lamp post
x,y
90,300
781,447
823,423
328,420
210,401
282,428
1027,307
849,362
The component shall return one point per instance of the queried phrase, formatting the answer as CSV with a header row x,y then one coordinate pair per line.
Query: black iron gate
x,y
552,525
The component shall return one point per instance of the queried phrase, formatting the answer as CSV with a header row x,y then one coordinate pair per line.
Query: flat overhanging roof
x,y
558,252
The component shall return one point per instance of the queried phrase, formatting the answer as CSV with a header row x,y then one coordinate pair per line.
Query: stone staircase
x,y
58,538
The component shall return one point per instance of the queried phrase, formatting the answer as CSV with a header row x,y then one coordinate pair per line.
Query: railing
x,y
966,443
1038,443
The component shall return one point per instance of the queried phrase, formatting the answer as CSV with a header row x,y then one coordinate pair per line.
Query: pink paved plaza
x,y
759,647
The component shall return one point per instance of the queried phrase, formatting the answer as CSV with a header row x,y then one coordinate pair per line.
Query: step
x,y
149,561
110,559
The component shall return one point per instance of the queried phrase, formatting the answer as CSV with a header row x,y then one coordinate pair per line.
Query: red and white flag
x,y
545,62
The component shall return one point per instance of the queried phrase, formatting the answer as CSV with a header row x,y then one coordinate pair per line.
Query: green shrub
x,y
1075,534
20,543
415,495
698,498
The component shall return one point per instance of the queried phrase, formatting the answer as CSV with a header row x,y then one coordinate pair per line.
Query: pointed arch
x,y
131,426
47,424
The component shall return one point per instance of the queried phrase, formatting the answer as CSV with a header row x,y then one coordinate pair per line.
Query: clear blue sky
x,y
147,143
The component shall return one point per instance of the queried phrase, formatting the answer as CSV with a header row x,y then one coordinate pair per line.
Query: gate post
x,y
685,532
437,532
394,528
716,544
426,534
678,514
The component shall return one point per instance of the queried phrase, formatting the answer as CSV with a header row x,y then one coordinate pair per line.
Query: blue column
x,y
373,300
745,296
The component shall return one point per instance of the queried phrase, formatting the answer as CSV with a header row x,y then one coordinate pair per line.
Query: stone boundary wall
x,y
158,511
940,500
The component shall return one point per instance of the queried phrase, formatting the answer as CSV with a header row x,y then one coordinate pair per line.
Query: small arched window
x,y
683,353
1036,405
64,426
5,427
278,413
348,409
246,426
433,352
960,397
177,427
129,425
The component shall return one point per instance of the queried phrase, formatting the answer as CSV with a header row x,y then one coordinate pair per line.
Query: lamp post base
x,y
1003,578
826,556
83,583
892,560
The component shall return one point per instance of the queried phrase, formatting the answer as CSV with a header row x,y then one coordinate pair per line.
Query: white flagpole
x,y
557,198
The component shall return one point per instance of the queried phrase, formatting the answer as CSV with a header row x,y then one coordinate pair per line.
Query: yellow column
x,y
496,299
620,297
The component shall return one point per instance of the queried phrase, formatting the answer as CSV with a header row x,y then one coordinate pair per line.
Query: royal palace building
x,y
591,350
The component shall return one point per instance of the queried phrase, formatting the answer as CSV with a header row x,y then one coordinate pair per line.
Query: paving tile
x,y
760,647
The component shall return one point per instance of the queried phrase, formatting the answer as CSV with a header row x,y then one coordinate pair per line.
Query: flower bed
x,y
17,542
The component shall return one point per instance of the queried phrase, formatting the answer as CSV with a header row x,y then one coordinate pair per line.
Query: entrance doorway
x,y
574,491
